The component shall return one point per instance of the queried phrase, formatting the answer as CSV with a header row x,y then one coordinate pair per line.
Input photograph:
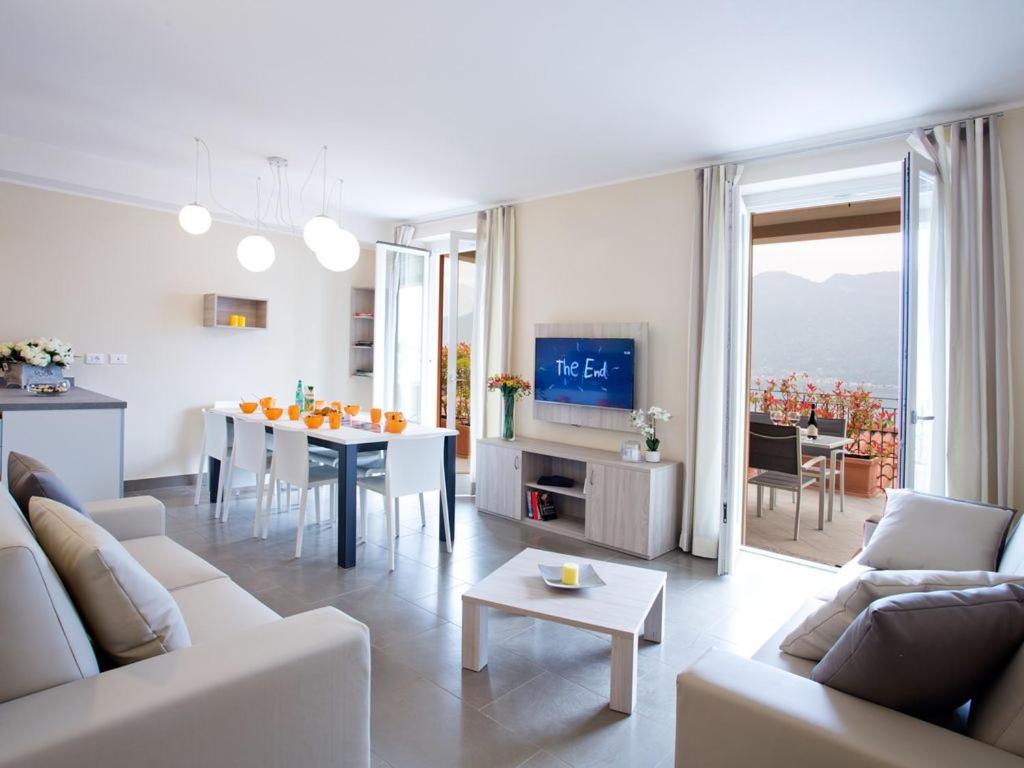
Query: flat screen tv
x,y
588,372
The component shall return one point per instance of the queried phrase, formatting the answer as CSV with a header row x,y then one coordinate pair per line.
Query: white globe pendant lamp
x,y
319,232
341,251
194,218
256,253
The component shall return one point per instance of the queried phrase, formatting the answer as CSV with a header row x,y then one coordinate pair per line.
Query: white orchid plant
x,y
646,422
41,352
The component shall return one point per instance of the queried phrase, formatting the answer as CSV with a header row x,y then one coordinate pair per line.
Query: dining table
x,y
829,446
356,435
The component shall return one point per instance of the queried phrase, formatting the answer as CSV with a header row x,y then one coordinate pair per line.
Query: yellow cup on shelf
x,y
241,321
570,574
233,321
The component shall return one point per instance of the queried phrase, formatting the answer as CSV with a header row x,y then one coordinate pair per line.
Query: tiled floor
x,y
542,700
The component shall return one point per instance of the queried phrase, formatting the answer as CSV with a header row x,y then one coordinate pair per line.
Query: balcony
x,y
871,466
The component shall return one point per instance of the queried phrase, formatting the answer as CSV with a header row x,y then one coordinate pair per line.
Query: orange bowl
x,y
396,426
248,407
267,402
273,413
314,421
352,410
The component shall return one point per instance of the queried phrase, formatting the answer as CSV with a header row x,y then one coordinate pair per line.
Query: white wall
x,y
116,278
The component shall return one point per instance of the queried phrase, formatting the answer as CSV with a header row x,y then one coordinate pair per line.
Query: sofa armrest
x,y
733,711
131,517
293,692
870,524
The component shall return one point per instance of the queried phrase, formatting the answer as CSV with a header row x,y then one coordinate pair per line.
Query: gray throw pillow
x,y
929,652
28,477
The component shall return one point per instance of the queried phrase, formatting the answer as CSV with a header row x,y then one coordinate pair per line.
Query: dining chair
x,y
249,454
214,441
775,453
413,465
215,446
290,464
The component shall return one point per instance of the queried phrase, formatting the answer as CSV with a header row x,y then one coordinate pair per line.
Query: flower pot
x,y
462,441
862,475
652,456
23,375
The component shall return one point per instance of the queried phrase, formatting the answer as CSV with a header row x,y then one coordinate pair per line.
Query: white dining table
x,y
830,446
355,436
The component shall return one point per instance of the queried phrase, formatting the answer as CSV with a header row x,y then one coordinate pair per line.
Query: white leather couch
x,y
253,690
766,711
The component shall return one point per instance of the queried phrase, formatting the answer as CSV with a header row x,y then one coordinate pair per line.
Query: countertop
x,y
74,399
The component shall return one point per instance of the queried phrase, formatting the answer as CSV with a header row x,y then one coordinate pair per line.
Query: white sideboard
x,y
628,506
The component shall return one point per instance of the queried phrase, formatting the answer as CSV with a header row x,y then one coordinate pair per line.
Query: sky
x,y
818,260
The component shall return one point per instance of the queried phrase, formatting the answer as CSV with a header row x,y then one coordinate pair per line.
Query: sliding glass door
x,y
924,333
400,339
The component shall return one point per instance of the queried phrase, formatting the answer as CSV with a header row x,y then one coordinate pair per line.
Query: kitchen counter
x,y
79,435
75,398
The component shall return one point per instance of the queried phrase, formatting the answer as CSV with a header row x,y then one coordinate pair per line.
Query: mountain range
x,y
846,327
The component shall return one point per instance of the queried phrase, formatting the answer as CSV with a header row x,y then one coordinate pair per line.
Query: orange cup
x,y
314,421
293,412
352,410
273,413
248,407
267,402
336,405
335,419
375,415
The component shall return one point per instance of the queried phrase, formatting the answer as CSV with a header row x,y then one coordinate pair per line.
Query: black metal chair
x,y
776,453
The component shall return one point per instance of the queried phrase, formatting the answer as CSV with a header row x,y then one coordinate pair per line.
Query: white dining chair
x,y
290,464
413,465
213,441
215,446
249,454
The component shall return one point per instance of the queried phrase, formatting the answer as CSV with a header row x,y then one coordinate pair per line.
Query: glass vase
x,y
508,416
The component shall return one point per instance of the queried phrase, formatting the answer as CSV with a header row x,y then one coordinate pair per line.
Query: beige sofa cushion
x,y
820,630
220,608
997,717
42,640
129,614
773,656
170,563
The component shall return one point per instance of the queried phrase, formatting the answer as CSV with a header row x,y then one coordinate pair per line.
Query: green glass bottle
x,y
298,394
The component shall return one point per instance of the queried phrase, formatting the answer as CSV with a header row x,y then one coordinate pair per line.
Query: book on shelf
x,y
539,506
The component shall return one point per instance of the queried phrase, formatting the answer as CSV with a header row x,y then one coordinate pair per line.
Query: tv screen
x,y
589,372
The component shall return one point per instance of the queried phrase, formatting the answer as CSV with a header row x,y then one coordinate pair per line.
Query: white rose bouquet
x,y
646,422
41,352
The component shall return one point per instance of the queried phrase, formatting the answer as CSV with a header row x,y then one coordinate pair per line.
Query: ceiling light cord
x,y
209,183
309,176
195,198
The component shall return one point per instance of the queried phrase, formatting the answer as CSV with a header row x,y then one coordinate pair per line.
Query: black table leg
x,y
449,487
214,470
347,505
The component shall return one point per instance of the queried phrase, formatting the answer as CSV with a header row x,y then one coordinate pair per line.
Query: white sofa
x,y
253,690
766,711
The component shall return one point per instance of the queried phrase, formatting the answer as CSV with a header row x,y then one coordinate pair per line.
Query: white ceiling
x,y
430,107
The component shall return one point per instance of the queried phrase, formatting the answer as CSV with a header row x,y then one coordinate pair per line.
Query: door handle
x,y
914,418
515,461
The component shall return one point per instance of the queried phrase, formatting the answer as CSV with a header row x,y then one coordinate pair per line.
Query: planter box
x,y
863,476
463,441
23,375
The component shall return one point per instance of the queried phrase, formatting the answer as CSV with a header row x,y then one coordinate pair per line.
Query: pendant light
x,y
340,252
320,229
255,252
194,218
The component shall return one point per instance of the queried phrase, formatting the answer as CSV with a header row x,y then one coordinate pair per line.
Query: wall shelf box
x,y
360,359
218,308
626,506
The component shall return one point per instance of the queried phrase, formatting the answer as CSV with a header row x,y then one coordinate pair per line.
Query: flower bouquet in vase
x,y
37,361
512,388
646,422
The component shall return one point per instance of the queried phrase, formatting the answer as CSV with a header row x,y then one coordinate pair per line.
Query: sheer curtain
x,y
973,246
398,271
708,405
492,316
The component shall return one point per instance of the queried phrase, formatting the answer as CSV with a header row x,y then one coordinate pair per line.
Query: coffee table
x,y
630,605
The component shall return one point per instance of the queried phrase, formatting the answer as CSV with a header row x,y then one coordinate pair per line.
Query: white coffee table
x,y
632,604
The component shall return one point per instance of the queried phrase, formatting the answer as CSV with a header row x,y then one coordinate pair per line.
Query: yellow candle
x,y
233,320
570,574
241,321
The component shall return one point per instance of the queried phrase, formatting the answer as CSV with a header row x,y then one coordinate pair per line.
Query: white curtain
x,y
707,407
973,245
492,317
394,268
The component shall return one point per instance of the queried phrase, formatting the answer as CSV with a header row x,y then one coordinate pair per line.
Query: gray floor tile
x,y
389,617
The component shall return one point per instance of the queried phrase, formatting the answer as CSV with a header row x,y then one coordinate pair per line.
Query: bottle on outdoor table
x,y
812,424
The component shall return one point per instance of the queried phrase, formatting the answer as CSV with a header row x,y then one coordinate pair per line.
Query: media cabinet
x,y
627,506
